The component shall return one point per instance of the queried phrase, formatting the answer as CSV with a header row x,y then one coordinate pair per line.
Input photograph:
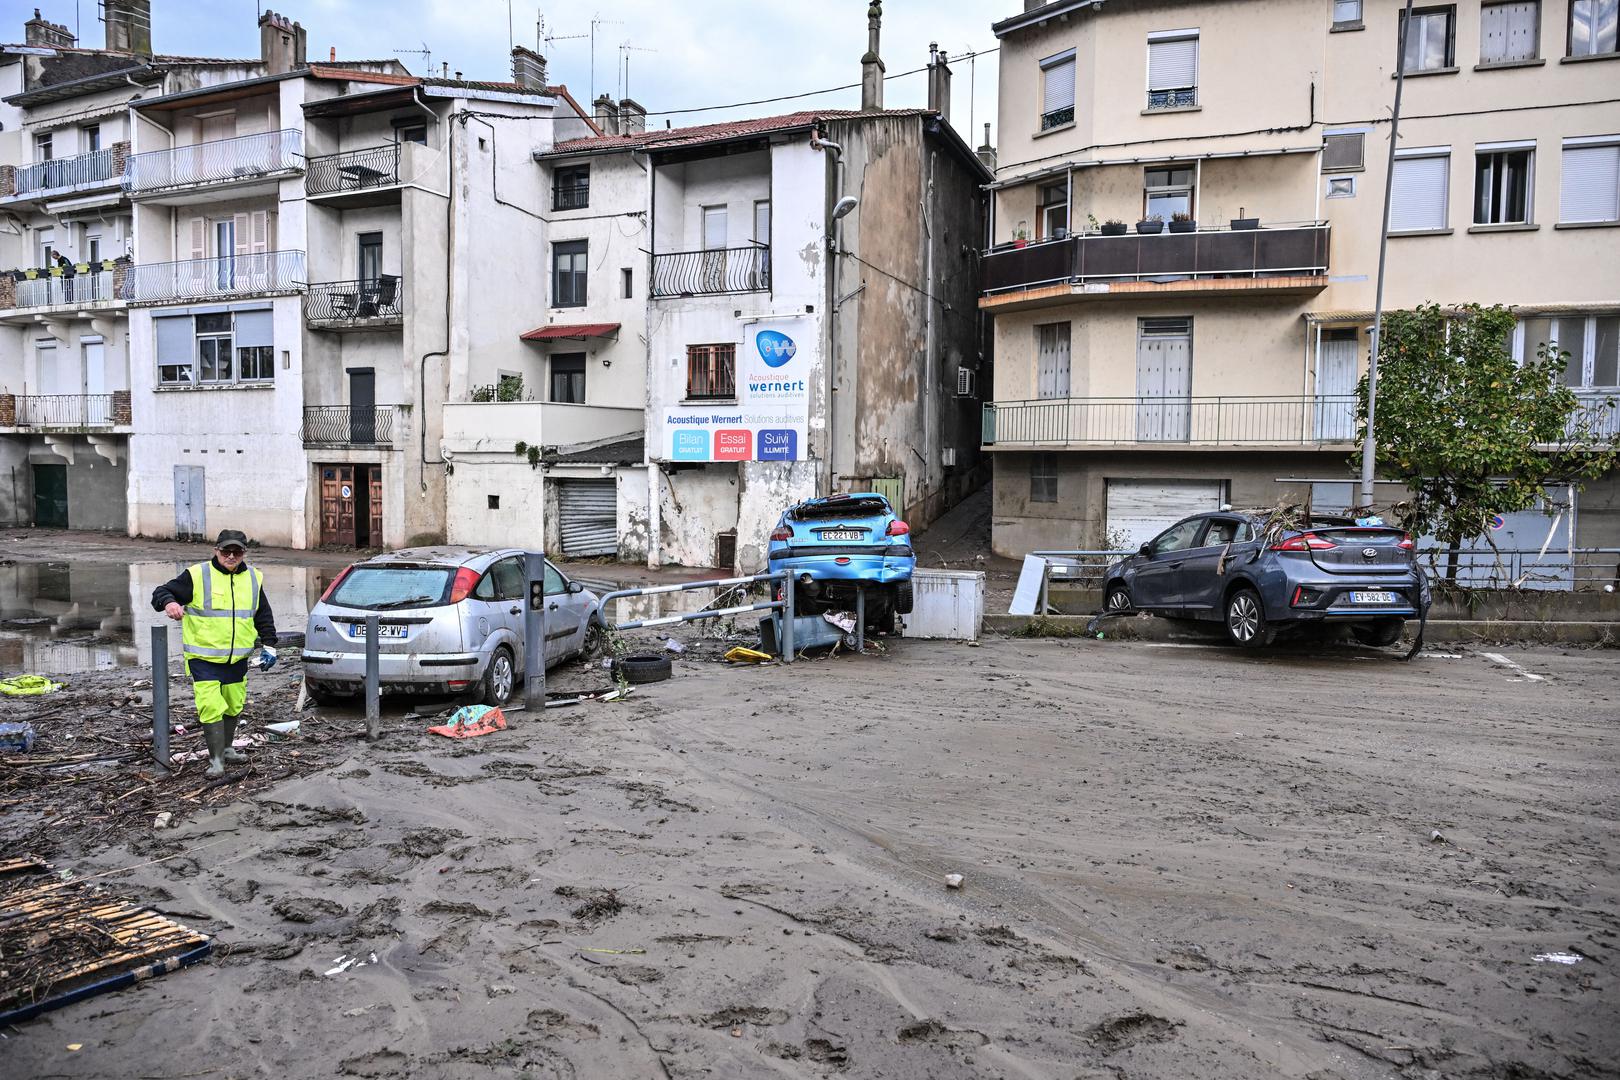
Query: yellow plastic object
x,y
740,655
28,686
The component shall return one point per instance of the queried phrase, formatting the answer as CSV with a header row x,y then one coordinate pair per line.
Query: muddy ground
x,y
1178,862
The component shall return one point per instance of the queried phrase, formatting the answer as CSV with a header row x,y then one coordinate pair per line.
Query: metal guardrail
x,y
707,273
352,170
96,167
220,160
1303,420
64,410
784,605
48,290
344,303
228,275
348,425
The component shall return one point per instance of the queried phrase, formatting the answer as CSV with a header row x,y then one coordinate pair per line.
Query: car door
x,y
563,622
1201,581
510,590
1157,583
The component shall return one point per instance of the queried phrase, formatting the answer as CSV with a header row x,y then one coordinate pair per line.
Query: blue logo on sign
x,y
775,348
690,446
778,444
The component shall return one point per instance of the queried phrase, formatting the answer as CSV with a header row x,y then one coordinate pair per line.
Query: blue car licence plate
x,y
842,534
1373,598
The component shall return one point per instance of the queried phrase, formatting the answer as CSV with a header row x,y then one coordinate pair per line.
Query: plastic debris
x,y
162,820
347,963
471,721
1436,836
17,738
740,655
283,729
1558,958
674,646
953,881
28,686
844,620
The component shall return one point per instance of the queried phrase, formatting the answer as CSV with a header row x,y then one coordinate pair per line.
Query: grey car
x,y
451,623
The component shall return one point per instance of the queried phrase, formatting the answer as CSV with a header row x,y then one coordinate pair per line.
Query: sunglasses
x,y
233,552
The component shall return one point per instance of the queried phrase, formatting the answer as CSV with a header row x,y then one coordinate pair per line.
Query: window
x,y
1592,341
1592,27
1343,151
1054,212
1431,38
255,356
1417,201
1502,185
1167,191
1590,189
416,133
1346,14
43,148
627,282
1224,531
1178,537
1057,90
711,371
1509,32
370,245
571,187
1172,69
568,266
1043,478
1052,360
215,348
1341,187
568,378
511,583
92,138
759,276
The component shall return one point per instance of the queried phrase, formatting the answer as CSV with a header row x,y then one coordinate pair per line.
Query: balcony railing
x,y
1057,118
571,196
1219,420
94,287
230,275
1210,253
85,170
708,273
222,160
353,170
1179,98
1597,414
338,304
65,410
348,425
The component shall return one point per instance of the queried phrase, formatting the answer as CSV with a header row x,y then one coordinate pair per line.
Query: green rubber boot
x,y
214,736
232,755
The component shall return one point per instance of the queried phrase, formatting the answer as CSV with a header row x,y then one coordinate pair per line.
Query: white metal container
x,y
946,605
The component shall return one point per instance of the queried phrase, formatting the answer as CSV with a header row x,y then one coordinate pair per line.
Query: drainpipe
x,y
831,473
930,361
449,294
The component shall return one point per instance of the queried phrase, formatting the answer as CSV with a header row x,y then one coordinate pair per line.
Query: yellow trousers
x,y
216,700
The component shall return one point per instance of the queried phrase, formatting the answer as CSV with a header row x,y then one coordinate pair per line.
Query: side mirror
x,y
575,587
1146,550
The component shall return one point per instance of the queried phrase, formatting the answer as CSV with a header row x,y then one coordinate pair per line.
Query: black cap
x,y
231,538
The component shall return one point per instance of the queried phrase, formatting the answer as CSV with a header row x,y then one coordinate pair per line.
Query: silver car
x,y
451,623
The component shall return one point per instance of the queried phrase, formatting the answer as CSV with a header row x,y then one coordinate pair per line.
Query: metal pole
x,y
160,695
788,616
860,618
534,633
1369,444
373,678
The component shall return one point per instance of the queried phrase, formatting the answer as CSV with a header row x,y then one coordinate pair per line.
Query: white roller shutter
x,y
1059,90
1590,190
1418,195
588,514
1142,509
1173,65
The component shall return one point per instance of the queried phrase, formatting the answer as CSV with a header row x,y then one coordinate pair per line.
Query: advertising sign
x,y
770,418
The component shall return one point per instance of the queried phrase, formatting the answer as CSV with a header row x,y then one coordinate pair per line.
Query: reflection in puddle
x,y
61,618
632,608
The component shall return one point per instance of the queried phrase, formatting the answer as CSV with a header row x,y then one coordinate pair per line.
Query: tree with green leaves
x,y
1470,431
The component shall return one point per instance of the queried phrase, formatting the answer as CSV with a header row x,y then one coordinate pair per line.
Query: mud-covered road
x,y
1178,862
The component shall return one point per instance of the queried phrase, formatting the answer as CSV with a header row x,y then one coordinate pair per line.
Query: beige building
x,y
1185,224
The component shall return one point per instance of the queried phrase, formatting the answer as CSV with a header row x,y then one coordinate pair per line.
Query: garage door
x,y
1139,510
588,517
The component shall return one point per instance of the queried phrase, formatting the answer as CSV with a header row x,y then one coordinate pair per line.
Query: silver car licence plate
x,y
384,631
842,534
1373,598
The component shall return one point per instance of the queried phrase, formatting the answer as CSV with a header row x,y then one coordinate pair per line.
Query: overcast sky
x,y
702,52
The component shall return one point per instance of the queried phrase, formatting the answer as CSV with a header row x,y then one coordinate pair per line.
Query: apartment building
x,y
1184,241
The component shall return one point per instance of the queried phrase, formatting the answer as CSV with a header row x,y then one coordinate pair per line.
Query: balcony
x,y
70,175
221,278
1288,258
1169,423
716,272
178,175
496,427
343,306
41,413
98,288
349,425
364,177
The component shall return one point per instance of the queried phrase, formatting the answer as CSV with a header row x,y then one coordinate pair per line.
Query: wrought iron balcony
x,y
713,272
93,287
348,425
571,196
1057,118
355,305
1180,98
1079,422
65,410
246,157
353,170
228,276
99,167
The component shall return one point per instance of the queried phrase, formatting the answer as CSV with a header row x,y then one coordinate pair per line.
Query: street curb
x,y
1148,628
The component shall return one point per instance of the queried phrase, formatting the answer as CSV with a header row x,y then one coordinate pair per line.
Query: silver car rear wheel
x,y
499,678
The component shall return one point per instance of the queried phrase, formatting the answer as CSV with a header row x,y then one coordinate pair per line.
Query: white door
x,y
1164,380
57,372
1336,386
1139,510
1052,361
95,365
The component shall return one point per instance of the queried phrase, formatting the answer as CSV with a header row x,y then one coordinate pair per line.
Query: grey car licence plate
x,y
1372,598
842,534
384,631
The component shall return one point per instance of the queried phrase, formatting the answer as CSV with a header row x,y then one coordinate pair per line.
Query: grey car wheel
x,y
1246,620
498,680
1119,599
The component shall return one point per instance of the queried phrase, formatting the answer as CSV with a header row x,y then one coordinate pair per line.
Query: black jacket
x,y
178,590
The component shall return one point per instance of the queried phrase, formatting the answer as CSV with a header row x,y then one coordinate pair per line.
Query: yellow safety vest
x,y
218,623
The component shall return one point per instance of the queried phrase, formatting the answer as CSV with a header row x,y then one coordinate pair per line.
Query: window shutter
x,y
1507,32
1418,195
253,328
1172,64
260,237
174,339
1059,93
241,224
199,238
1590,190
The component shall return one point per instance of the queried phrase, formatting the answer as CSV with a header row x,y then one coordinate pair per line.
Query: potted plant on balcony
x,y
31,273
1114,227
1183,223
1150,225
1240,222
1021,235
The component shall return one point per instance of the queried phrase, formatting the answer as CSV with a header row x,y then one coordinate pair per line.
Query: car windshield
x,y
392,586
871,506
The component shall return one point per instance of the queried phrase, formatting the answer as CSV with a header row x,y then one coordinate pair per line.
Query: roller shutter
x,y
588,513
1142,509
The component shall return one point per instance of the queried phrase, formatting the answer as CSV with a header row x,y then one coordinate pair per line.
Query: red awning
x,y
560,331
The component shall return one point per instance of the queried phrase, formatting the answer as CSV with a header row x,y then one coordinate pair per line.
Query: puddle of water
x,y
62,618
631,608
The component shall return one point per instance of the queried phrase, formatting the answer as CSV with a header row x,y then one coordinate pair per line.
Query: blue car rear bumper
x,y
860,564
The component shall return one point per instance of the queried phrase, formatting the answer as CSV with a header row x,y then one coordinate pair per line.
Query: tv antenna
x,y
625,49
544,39
424,52
597,20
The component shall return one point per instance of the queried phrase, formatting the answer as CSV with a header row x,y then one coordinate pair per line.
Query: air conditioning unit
x,y
947,456
964,382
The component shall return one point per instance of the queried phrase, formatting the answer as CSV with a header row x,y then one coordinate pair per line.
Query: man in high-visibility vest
x,y
223,613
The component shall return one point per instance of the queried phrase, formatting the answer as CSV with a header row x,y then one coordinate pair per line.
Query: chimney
x,y
129,26
632,117
939,82
528,68
607,114
281,44
49,35
986,153
871,63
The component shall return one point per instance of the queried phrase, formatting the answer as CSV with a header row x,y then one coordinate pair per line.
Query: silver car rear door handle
x,y
514,611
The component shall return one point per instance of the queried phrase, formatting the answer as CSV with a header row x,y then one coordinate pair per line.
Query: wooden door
x,y
376,538
50,496
337,505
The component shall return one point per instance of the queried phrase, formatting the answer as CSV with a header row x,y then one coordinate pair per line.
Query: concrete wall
x,y
96,490
695,505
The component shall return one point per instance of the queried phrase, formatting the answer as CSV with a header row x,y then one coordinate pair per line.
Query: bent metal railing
x,y
707,273
348,425
1065,421
230,275
353,170
243,157
783,578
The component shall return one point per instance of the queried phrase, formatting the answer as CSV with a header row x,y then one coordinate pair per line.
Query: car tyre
x,y
316,697
1381,633
499,679
1119,600
1246,624
903,598
595,639
642,668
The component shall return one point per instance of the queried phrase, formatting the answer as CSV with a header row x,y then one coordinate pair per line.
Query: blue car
x,y
1221,566
834,545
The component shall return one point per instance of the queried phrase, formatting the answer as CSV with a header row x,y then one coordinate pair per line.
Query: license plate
x,y
842,534
384,631
1373,598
